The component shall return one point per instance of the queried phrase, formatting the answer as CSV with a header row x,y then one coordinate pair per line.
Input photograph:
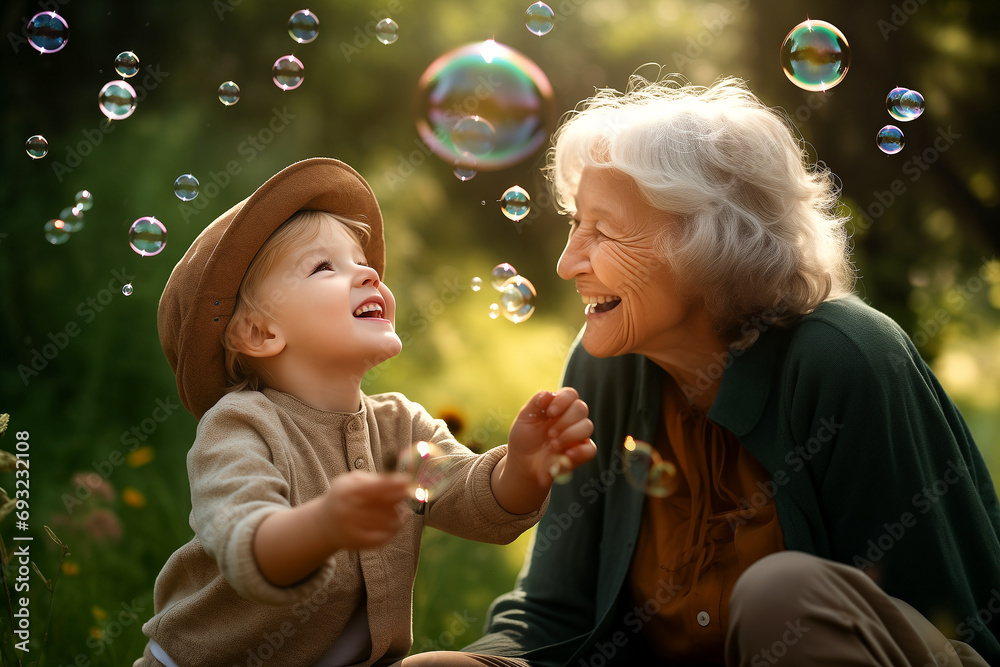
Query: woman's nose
x,y
574,259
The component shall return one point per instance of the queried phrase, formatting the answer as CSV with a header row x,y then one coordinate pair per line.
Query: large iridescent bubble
x,y
815,55
495,83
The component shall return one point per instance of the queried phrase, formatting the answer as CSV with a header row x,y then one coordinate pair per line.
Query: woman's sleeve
x,y
903,489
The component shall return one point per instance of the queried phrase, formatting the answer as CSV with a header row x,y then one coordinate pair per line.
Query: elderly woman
x,y
807,491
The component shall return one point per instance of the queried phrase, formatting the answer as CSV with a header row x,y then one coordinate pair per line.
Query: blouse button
x,y
703,618
354,425
359,463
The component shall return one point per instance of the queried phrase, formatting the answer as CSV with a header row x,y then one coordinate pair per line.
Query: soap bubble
x,y
37,146
127,64
55,232
904,104
387,31
72,218
815,55
47,32
501,273
473,135
147,236
491,81
561,469
647,471
515,203
428,467
465,167
303,26
890,140
186,187
229,93
288,72
538,18
463,173
84,200
117,100
494,311
127,289
477,284
517,299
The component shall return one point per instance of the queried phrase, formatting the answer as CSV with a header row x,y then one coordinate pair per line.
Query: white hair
x,y
758,233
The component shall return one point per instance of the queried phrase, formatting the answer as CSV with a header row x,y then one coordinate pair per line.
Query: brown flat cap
x,y
200,295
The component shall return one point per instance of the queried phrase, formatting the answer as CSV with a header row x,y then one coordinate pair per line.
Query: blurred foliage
x,y
924,233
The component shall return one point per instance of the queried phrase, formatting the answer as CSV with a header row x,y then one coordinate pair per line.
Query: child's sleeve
x,y
237,479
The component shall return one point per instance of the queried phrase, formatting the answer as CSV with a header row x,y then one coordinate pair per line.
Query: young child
x,y
305,551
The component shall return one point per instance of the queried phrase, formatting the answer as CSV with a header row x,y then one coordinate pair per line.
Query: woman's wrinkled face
x,y
630,295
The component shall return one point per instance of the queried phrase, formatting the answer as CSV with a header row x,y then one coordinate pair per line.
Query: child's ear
x,y
256,337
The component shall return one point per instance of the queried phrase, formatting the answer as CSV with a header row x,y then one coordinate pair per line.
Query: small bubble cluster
x,y
904,104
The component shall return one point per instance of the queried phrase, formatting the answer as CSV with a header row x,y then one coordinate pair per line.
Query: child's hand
x,y
365,510
551,436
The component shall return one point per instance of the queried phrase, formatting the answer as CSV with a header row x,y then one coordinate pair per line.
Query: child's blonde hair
x,y
298,230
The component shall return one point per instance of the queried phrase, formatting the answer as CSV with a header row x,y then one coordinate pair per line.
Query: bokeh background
x,y
107,436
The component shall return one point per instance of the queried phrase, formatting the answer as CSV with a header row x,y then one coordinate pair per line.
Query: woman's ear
x,y
256,336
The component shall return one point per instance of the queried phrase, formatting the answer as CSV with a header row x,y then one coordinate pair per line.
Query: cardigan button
x,y
354,425
359,463
703,618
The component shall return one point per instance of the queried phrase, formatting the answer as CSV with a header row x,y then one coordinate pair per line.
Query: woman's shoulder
x,y
849,324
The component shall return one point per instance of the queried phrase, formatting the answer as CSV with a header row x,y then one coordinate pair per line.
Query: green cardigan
x,y
871,465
